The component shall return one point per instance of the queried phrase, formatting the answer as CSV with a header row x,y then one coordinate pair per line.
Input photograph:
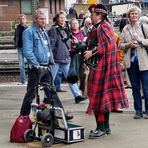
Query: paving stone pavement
x,y
126,132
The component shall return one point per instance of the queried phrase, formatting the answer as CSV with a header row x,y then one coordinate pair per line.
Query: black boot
x,y
106,123
80,98
117,111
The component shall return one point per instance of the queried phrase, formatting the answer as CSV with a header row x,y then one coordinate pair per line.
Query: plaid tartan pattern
x,y
105,83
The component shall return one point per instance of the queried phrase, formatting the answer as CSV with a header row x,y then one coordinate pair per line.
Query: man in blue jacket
x,y
37,50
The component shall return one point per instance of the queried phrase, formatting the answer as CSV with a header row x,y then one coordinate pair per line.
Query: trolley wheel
x,y
47,140
29,135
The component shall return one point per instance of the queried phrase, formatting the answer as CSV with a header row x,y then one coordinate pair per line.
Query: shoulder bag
x,y
144,36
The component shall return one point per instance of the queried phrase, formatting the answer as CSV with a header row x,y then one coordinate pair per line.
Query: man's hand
x,y
41,71
74,42
41,67
87,54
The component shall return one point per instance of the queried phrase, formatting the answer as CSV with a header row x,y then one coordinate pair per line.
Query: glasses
x,y
88,23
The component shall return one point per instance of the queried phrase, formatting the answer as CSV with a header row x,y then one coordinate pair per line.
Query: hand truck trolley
x,y
51,122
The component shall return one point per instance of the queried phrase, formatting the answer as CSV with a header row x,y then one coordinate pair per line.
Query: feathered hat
x,y
97,8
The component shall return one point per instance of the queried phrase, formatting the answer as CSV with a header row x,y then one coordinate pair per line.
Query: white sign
x,y
76,134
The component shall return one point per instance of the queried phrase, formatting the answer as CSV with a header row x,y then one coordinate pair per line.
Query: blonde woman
x,y
134,43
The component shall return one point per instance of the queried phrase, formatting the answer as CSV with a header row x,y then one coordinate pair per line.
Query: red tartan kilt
x,y
107,99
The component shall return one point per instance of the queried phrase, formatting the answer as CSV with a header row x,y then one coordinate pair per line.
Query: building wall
x,y
80,7
56,6
10,9
8,12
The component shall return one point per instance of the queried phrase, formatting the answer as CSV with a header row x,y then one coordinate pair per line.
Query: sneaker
x,y
69,117
138,116
146,116
22,83
25,83
96,134
60,90
79,99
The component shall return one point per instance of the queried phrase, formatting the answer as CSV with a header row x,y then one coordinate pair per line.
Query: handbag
x,y
21,124
74,69
144,36
84,71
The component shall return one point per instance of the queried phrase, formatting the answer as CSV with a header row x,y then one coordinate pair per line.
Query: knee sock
x,y
100,125
106,122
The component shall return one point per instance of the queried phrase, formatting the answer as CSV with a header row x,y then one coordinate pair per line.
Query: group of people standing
x,y
105,85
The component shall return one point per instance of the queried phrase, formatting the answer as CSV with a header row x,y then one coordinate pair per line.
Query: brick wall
x,y
8,12
5,26
10,9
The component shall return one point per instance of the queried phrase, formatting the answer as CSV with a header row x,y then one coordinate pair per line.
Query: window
x,y
50,5
26,6
60,5
55,6
4,3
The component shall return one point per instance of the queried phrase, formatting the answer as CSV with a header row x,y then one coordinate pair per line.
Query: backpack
x,y
21,124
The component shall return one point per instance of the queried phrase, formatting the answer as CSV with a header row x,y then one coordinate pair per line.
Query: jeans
x,y
58,80
65,68
138,79
33,77
21,60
